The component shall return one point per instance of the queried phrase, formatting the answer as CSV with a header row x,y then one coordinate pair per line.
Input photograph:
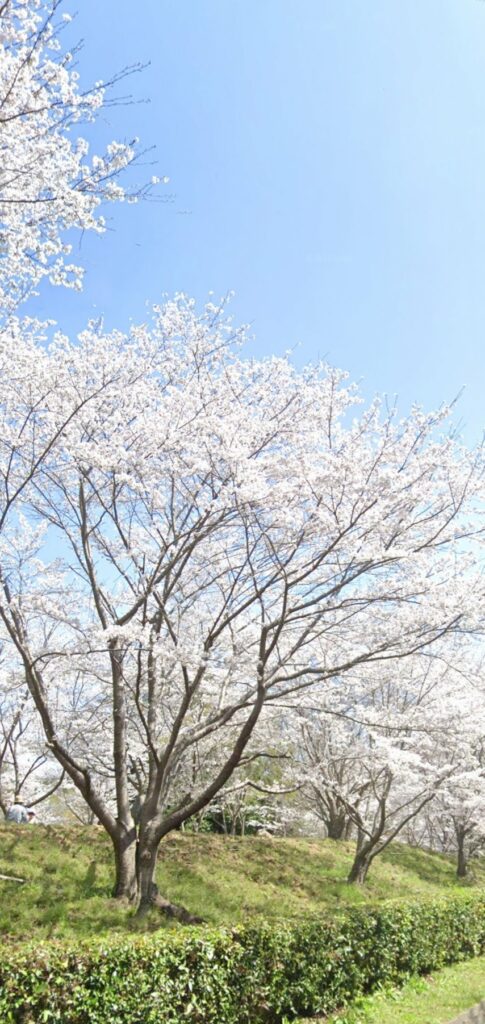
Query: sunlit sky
x,y
326,162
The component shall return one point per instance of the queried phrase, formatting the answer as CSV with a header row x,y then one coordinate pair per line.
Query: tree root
x,y
175,911
172,910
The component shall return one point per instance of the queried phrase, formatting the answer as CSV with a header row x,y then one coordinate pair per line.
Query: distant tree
x,y
387,749
330,767
457,816
27,770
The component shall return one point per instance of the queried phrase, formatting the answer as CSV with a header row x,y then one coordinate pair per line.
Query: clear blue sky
x,y
327,159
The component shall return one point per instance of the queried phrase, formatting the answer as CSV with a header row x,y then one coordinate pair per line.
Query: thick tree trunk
x,y
147,860
126,881
462,865
362,859
348,829
148,894
336,826
358,872
333,814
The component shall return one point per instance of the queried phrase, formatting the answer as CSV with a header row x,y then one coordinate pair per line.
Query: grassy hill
x,y
68,874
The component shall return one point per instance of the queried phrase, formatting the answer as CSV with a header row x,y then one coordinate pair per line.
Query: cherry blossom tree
x,y
329,764
49,182
49,185
27,774
396,785
387,749
225,538
48,188
456,819
190,540
465,805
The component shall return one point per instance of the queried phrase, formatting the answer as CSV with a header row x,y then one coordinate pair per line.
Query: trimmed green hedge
x,y
262,973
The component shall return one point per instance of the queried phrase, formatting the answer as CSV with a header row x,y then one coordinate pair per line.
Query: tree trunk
x,y
148,894
348,829
336,826
147,860
135,875
462,865
358,872
362,859
126,883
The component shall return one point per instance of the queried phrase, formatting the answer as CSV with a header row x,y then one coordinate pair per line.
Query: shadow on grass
x,y
88,883
432,868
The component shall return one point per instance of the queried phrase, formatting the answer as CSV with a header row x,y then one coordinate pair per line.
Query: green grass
x,y
433,1000
224,880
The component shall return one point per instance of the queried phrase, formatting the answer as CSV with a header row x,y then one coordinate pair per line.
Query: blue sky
x,y
327,161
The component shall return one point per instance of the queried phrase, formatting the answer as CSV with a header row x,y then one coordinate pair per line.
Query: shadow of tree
x,y
87,887
434,868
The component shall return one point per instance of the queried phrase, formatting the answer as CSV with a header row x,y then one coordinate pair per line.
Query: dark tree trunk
x,y
333,814
336,826
148,894
364,854
147,860
358,872
126,881
462,864
348,829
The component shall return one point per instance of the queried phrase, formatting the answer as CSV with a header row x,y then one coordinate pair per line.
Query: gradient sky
x,y
327,162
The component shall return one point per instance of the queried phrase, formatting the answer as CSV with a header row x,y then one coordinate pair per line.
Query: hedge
x,y
261,973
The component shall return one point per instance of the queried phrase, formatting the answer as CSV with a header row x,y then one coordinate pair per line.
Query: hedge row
x,y
263,973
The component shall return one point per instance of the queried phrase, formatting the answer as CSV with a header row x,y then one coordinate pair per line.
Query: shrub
x,y
261,973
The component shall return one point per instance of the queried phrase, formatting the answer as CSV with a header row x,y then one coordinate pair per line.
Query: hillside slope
x,y
225,880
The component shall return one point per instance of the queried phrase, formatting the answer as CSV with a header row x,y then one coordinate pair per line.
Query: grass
x,y
433,1000
224,880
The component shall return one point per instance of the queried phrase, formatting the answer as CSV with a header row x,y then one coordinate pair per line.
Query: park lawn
x,y
436,999
68,872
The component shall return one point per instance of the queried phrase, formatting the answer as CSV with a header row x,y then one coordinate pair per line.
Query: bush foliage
x,y
263,973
